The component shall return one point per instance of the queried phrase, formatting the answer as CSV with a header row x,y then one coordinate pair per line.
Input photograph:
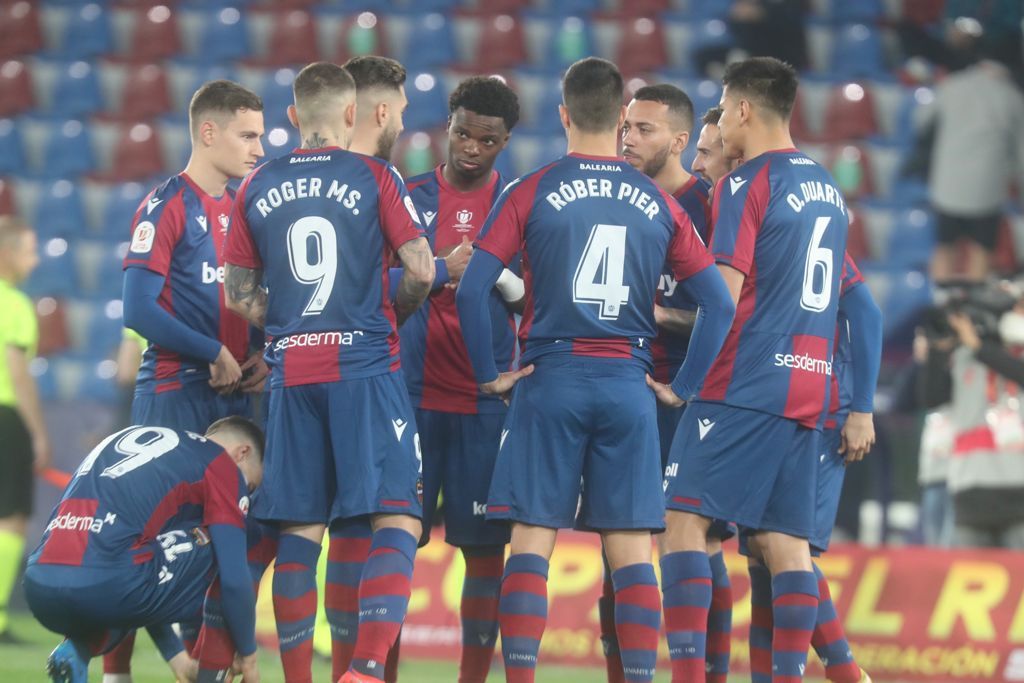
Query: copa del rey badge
x,y
463,217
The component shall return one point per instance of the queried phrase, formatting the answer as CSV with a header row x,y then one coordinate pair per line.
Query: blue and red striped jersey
x,y
841,391
434,357
780,221
179,232
594,234
139,492
324,225
670,349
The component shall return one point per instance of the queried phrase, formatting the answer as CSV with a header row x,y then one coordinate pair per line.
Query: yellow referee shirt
x,y
18,327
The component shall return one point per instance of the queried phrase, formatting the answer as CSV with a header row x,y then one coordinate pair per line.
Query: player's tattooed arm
x,y
315,141
413,288
244,295
674,320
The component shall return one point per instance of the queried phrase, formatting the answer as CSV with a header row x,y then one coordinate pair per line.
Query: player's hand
x,y
502,386
857,437
457,260
224,372
185,669
254,373
249,669
664,393
42,456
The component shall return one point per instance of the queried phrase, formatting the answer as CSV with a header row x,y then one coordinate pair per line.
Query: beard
x,y
386,143
654,166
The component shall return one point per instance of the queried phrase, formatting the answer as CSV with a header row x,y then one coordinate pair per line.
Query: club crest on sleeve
x,y
243,504
412,210
142,238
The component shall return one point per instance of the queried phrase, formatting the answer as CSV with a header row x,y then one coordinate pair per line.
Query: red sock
x,y
214,649
479,611
349,548
119,660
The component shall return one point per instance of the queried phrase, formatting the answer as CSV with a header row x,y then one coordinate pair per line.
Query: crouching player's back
x,y
134,540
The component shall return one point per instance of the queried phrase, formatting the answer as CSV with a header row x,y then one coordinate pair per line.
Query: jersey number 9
x,y
313,256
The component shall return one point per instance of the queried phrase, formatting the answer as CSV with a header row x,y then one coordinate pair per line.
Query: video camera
x,y
984,303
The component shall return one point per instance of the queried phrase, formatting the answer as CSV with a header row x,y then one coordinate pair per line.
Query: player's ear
x,y
622,117
743,109
563,115
350,114
293,115
381,113
207,131
680,141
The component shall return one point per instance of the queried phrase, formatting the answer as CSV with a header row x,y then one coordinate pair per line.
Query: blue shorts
x,y
82,602
458,459
668,421
339,450
576,419
193,407
752,468
831,472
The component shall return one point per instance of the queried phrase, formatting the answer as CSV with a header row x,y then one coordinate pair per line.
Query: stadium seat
x,y
851,169
292,39
428,102
568,39
76,91
710,33
68,152
277,94
223,36
857,52
641,45
53,326
20,30
145,93
87,33
123,201
98,381
98,263
922,12
493,7
430,44
137,155
856,240
909,113
709,9
849,113
569,7
8,206
641,8
912,239
55,274
500,43
42,372
12,148
154,35
96,325
361,34
59,211
15,88
861,11
417,152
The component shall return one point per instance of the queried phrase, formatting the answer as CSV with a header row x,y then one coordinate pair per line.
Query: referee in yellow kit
x,y
24,445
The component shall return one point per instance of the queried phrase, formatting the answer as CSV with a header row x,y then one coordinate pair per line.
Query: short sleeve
x,y
502,232
687,254
851,276
399,220
738,211
226,499
240,248
158,226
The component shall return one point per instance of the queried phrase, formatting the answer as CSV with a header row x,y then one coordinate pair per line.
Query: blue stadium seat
x,y
87,33
570,38
902,295
913,238
861,11
431,43
905,124
428,102
99,269
68,152
544,117
59,211
122,202
46,379
55,274
103,327
277,95
857,52
709,9
12,148
571,7
76,93
224,37
99,381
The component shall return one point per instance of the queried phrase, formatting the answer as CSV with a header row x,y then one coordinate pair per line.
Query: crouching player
x,y
150,518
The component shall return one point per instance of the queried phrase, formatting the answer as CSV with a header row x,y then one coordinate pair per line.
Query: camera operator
x,y
980,377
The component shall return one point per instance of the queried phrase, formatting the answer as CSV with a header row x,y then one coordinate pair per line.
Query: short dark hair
x,y
221,96
592,92
769,82
241,427
712,116
678,102
319,79
486,96
371,71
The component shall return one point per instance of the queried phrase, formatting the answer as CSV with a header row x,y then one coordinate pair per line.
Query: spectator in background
x,y
762,28
935,452
980,379
978,151
968,27
22,429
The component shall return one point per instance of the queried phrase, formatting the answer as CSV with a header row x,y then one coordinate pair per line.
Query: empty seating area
x,y
93,101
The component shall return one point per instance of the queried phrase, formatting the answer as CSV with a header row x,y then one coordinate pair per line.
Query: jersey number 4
x,y
313,256
599,274
817,290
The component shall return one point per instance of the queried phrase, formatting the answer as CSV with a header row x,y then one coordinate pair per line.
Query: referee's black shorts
x,y
16,478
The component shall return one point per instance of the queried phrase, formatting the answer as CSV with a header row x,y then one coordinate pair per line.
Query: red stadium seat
x,y
15,88
361,34
850,166
145,94
292,39
8,206
798,126
154,35
922,12
501,44
53,326
20,31
849,114
137,155
642,46
856,239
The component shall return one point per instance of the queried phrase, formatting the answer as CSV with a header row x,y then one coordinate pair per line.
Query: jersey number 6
x,y
816,298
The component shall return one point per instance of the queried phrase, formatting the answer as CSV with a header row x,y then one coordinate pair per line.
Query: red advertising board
x,y
910,613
